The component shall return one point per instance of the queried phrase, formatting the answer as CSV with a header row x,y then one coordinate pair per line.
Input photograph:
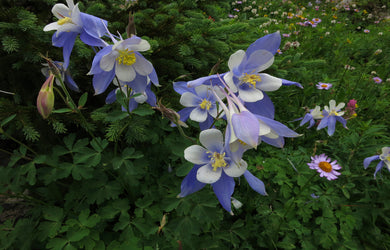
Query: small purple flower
x,y
310,117
384,160
323,85
377,80
324,166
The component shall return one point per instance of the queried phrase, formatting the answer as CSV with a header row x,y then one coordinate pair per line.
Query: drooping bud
x,y
45,100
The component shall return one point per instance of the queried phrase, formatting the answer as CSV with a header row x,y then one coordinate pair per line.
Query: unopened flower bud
x,y
45,100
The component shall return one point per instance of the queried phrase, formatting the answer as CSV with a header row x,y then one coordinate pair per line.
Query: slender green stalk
x,y
17,141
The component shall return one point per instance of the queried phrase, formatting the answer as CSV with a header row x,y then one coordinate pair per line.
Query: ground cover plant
x,y
194,125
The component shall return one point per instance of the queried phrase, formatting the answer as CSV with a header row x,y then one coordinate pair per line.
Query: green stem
x,y
69,101
17,141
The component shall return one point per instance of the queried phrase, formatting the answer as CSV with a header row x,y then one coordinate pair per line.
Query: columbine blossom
x,y
384,160
324,166
72,22
45,99
124,61
200,104
215,166
323,85
244,76
332,114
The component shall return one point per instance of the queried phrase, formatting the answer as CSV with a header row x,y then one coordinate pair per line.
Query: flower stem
x,y
17,141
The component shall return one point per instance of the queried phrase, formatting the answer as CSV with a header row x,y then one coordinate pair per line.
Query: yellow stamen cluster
x,y
324,85
64,20
205,104
251,79
218,160
126,57
325,166
334,112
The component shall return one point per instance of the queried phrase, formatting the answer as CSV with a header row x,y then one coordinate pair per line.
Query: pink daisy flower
x,y
322,164
323,85
377,80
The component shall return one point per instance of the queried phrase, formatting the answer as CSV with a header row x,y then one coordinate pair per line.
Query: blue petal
x,y
139,84
181,87
378,168
66,41
224,189
255,183
152,100
307,118
246,127
190,184
264,107
102,80
153,78
70,82
368,160
289,83
323,123
269,42
206,124
331,125
184,115
206,80
342,120
93,29
95,69
276,142
279,128
111,97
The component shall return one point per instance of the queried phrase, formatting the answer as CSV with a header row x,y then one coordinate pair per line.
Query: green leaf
x,y
56,243
143,111
7,120
77,235
31,172
53,213
88,221
83,100
63,110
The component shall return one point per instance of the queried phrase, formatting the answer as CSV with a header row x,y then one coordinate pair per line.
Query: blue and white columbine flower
x,y
122,60
200,106
214,165
384,160
245,67
332,114
72,22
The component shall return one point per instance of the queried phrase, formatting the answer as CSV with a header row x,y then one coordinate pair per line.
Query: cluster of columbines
x,y
120,62
248,111
249,114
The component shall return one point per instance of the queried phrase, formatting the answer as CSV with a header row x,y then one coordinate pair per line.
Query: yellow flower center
x,y
325,166
218,160
126,57
64,20
251,79
324,85
205,104
334,112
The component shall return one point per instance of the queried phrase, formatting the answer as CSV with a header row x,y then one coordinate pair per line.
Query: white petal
x,y
141,98
142,66
124,73
228,78
189,99
143,45
212,139
263,57
236,170
108,61
269,83
340,106
236,58
76,15
207,175
196,154
332,104
60,11
51,26
264,129
198,115
250,95
213,111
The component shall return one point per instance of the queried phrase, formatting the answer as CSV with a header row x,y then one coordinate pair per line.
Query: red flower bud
x,y
45,100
